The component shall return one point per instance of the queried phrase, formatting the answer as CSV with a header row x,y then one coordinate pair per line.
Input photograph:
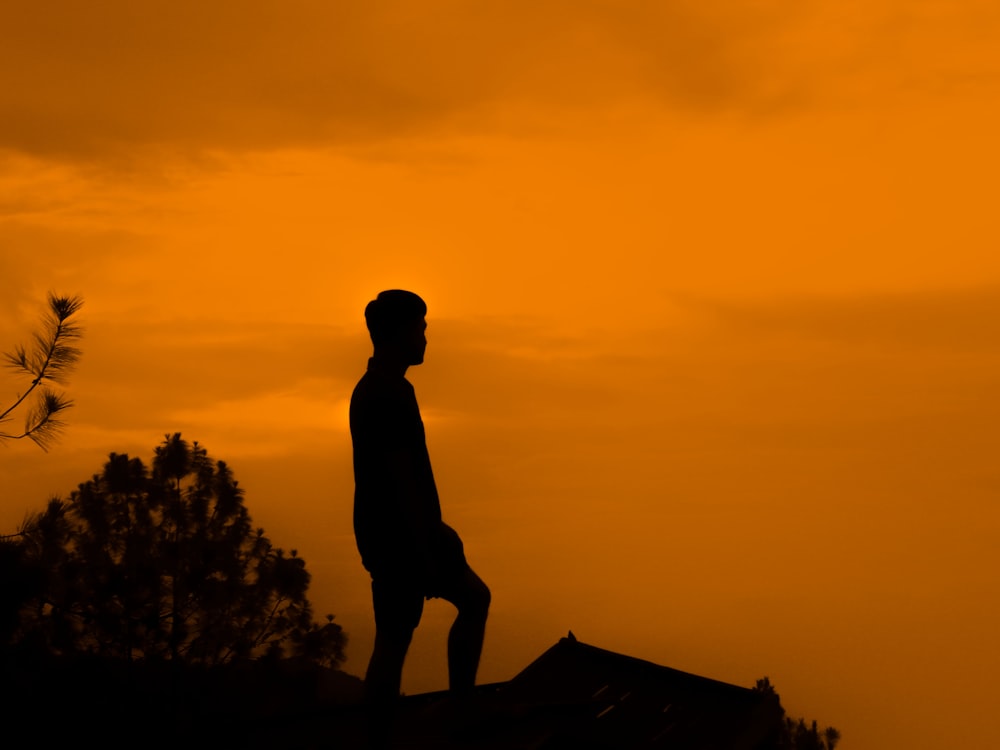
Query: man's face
x,y
415,342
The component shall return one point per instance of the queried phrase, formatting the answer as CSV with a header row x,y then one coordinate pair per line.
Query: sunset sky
x,y
714,310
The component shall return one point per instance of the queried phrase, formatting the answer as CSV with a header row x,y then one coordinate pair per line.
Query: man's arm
x,y
390,521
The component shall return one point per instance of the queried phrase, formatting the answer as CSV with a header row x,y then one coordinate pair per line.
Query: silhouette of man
x,y
409,551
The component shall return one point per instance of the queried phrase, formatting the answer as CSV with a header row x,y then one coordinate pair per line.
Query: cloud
x,y
84,80
118,78
923,323
143,372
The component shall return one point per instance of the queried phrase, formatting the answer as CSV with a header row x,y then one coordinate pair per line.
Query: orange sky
x,y
714,302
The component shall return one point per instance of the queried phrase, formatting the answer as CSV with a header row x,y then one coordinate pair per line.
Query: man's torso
x,y
397,513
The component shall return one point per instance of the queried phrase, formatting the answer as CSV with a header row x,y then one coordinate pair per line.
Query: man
x,y
409,551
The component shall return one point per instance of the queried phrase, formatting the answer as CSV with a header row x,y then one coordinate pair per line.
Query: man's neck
x,y
389,364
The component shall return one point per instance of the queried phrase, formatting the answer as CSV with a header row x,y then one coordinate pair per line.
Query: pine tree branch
x,y
51,357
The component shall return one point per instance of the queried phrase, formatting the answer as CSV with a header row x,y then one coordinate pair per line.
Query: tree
x,y
796,734
49,358
163,563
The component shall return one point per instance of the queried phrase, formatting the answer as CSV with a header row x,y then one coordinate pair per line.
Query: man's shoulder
x,y
373,382
377,391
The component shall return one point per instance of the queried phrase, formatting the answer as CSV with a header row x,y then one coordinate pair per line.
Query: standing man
x,y
409,551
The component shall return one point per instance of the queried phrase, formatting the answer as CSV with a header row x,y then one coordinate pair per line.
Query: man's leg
x,y
465,641
385,668
398,608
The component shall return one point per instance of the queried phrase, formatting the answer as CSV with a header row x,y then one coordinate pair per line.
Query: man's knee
x,y
394,641
477,598
469,595
486,597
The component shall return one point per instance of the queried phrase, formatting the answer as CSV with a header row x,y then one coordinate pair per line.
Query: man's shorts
x,y
398,596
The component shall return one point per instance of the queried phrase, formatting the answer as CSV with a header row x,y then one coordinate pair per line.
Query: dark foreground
x,y
573,696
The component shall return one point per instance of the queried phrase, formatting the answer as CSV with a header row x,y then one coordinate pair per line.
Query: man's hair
x,y
391,312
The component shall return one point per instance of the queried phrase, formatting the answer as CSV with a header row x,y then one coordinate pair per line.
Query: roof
x,y
587,698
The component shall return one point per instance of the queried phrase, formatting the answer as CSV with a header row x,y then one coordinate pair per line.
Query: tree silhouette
x,y
48,359
163,563
796,734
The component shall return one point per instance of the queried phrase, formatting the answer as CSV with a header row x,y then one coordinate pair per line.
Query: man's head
x,y
396,324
